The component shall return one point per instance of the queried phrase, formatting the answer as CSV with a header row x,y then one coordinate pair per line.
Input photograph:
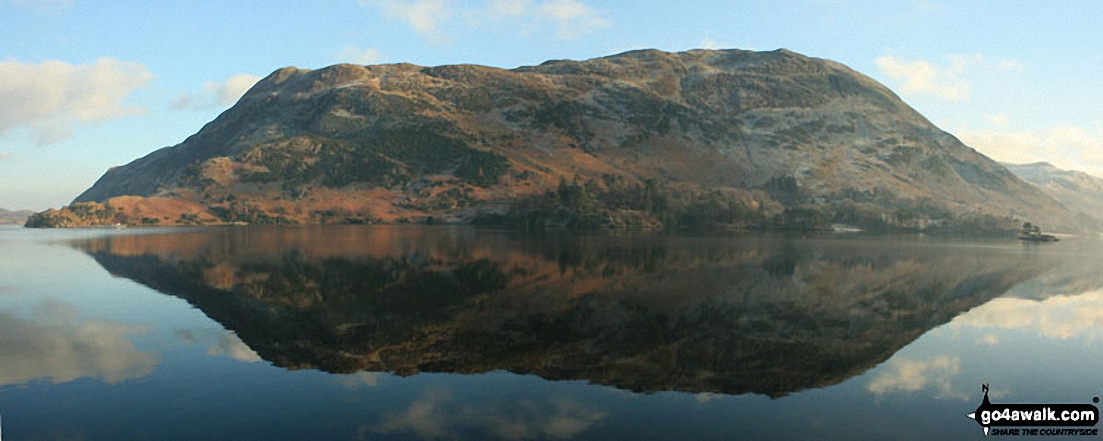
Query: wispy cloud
x,y
353,54
915,77
48,98
217,94
438,20
1069,147
425,16
1012,147
570,18
948,80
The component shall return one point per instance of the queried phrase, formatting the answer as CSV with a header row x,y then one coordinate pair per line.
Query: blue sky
x,y
87,85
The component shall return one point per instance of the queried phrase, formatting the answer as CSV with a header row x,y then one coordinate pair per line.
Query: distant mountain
x,y
14,217
646,138
1078,191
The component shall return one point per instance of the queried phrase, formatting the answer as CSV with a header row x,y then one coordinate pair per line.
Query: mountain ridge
x,y
1079,191
645,138
18,217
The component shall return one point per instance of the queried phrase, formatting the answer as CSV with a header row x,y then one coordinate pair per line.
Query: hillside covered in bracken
x,y
645,139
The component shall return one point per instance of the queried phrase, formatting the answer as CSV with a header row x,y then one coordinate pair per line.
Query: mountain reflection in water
x,y
735,315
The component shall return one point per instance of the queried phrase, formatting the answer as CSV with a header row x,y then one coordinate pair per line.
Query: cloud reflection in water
x,y
218,342
1060,317
54,345
438,414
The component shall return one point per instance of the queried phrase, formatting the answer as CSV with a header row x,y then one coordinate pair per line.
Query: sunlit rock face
x,y
760,315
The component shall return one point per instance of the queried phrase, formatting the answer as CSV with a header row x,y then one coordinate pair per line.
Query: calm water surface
x,y
368,332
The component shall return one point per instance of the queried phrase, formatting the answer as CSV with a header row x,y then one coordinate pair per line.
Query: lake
x,y
435,332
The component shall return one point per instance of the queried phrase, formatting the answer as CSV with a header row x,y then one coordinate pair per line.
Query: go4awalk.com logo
x,y
1036,419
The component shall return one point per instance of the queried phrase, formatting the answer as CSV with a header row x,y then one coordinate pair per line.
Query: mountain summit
x,y
644,138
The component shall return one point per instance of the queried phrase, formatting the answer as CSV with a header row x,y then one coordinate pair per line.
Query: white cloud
x,y
353,54
571,18
1011,147
436,19
958,63
950,80
218,95
425,16
908,375
1075,142
1068,147
48,98
922,77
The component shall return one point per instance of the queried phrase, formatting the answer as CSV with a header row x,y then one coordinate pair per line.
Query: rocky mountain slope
x,y
8,217
648,138
1078,191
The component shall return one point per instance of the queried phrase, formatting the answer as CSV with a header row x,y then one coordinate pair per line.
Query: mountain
x,y
14,217
1078,191
754,314
645,138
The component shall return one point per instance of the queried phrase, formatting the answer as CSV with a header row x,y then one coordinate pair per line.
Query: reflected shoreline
x,y
732,315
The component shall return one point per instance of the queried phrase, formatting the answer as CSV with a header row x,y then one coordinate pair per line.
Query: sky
x,y
88,85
